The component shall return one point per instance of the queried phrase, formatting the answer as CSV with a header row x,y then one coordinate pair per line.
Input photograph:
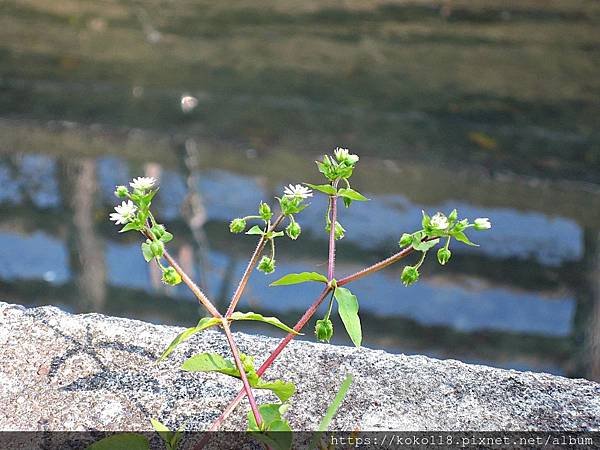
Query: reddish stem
x,y
202,298
265,365
249,268
333,218
240,367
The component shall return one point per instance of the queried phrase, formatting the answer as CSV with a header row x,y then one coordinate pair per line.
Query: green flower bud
x,y
121,192
158,231
482,223
460,226
266,265
453,217
339,231
324,330
293,230
171,277
157,248
443,255
409,275
405,240
237,225
291,205
264,211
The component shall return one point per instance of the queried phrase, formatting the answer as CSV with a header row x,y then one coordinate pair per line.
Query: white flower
x,y
342,154
297,191
482,223
125,212
439,221
143,183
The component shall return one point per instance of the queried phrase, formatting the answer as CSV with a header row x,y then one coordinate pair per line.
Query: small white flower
x,y
125,212
143,183
482,223
439,221
343,154
297,191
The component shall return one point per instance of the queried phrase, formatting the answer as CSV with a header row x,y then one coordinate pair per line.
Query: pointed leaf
x,y
462,237
260,318
166,237
255,230
163,431
352,194
130,226
331,411
348,311
282,389
121,441
210,362
423,246
303,277
203,324
147,252
324,188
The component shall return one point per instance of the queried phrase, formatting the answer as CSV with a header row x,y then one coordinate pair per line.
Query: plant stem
x,y
378,266
331,261
202,298
240,366
251,264
265,365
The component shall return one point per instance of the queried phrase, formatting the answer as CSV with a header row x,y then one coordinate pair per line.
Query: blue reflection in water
x,y
34,256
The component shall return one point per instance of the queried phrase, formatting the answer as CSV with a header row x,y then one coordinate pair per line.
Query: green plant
x,y
269,420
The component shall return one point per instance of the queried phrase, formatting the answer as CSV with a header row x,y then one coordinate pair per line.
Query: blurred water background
x,y
485,105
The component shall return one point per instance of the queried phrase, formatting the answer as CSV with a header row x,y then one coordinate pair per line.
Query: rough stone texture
x,y
66,372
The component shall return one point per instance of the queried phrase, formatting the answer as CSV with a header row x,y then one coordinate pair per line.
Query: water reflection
x,y
76,259
490,107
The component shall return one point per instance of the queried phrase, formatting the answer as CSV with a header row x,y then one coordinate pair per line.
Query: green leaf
x,y
147,252
210,362
166,237
255,230
462,237
348,311
122,441
203,324
336,403
331,411
260,318
324,188
165,434
295,278
277,432
352,194
282,389
130,226
423,246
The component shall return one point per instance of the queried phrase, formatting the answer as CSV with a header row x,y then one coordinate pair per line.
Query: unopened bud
x,y
293,230
264,211
237,225
324,330
171,277
443,255
409,275
266,265
121,192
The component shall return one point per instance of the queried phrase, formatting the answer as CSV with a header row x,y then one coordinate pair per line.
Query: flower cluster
x,y
290,203
435,228
134,213
338,167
